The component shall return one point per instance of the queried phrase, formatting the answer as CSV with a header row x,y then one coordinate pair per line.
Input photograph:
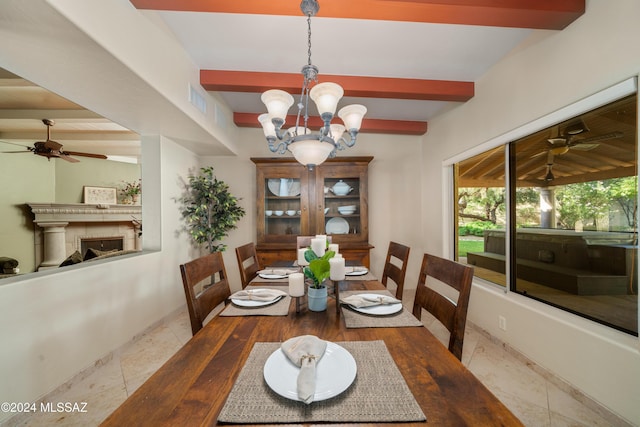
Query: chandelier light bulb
x,y
310,152
352,116
337,130
267,125
326,96
278,103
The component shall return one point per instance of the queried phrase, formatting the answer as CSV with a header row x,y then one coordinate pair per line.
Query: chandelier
x,y
310,148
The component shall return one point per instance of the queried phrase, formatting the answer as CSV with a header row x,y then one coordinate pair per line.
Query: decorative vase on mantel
x,y
317,297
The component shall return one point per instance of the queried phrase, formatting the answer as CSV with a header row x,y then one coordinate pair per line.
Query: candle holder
x,y
336,294
299,304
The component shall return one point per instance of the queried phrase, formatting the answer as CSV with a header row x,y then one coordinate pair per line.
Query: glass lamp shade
x,y
310,152
336,131
277,102
326,96
352,115
267,126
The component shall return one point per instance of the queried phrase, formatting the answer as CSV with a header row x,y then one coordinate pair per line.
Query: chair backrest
x,y
247,263
215,291
453,315
392,270
305,241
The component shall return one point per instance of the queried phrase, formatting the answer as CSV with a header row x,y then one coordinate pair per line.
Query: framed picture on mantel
x,y
100,195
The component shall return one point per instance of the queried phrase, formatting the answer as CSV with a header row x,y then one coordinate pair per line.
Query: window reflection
x,y
573,193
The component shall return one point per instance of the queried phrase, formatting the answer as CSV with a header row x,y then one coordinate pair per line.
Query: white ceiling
x,y
270,43
353,47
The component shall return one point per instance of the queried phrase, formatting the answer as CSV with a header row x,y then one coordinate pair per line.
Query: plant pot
x,y
317,298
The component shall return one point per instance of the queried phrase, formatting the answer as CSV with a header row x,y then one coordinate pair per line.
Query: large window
x,y
562,229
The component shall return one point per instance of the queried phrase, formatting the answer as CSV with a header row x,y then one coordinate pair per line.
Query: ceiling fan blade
x,y
558,141
15,152
600,138
584,147
18,145
77,153
65,156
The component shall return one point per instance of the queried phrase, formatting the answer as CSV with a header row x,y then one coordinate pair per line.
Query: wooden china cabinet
x,y
291,201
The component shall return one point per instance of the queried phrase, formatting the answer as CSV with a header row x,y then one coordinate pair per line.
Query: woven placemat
x,y
354,319
280,308
378,394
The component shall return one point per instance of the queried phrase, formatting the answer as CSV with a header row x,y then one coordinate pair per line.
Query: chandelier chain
x,y
309,39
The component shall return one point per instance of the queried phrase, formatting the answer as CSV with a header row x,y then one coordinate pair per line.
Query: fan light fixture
x,y
307,147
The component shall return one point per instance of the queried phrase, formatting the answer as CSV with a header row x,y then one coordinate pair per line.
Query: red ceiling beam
x,y
537,14
366,87
395,127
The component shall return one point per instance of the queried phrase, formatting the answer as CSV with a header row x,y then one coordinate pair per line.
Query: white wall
x,y
53,325
554,70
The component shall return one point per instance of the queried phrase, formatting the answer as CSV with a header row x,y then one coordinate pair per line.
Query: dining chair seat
x,y
450,276
395,266
247,263
206,287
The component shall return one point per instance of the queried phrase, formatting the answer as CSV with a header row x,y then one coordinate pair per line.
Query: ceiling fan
x,y
52,149
566,140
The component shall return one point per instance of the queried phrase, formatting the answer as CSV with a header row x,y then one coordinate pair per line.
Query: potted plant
x,y
209,210
317,272
132,190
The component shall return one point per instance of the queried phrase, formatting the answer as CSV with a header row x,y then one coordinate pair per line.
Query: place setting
x,y
276,274
375,309
254,301
307,379
358,272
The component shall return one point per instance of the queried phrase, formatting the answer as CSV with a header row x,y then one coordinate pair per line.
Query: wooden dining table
x,y
191,388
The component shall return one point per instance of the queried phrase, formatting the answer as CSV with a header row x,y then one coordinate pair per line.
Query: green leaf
x,y
309,255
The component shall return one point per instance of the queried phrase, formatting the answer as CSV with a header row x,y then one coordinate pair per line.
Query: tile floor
x,y
533,396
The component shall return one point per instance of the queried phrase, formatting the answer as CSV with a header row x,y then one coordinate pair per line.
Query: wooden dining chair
x,y
395,267
453,315
213,293
247,263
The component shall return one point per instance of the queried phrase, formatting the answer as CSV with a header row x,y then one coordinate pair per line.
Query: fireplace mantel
x,y
79,212
63,226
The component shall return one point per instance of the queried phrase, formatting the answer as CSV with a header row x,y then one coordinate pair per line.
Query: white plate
x,y
378,310
254,303
337,226
334,373
272,276
274,187
356,271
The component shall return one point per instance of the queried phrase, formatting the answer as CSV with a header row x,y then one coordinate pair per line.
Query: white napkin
x,y
278,271
258,294
360,300
305,351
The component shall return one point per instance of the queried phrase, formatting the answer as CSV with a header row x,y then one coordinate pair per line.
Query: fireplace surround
x,y
63,227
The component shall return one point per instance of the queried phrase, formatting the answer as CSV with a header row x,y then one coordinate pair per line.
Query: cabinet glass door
x,y
283,203
343,193
282,206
